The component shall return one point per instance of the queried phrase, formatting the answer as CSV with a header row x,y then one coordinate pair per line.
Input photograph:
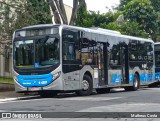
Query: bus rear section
x,y
157,61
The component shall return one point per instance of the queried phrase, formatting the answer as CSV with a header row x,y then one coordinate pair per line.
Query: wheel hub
x,y
136,83
85,85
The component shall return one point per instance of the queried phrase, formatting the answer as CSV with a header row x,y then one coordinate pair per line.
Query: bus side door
x,y
124,62
102,63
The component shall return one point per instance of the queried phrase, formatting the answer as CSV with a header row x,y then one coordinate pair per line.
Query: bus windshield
x,y
36,53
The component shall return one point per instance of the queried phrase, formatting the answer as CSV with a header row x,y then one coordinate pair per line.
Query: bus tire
x,y
103,90
136,84
87,86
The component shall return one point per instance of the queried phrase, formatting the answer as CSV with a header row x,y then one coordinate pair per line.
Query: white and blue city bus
x,y
157,61
56,58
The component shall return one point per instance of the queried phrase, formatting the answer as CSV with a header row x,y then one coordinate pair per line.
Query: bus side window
x,y
70,46
68,53
133,45
86,49
95,52
133,50
115,55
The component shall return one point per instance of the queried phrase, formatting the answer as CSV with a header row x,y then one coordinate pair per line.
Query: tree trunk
x,y
74,12
55,12
63,11
58,9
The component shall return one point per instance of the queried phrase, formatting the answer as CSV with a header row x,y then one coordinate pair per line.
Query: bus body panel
x,y
114,68
56,84
73,80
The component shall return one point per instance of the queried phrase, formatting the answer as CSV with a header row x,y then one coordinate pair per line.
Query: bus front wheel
x,y
136,82
87,86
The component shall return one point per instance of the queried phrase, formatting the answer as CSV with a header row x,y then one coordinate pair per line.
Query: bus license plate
x,y
34,88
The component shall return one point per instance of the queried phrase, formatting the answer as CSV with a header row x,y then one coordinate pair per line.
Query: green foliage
x,y
116,15
16,14
35,12
133,29
142,12
109,21
82,12
6,22
123,3
39,11
111,26
94,19
6,80
141,18
156,5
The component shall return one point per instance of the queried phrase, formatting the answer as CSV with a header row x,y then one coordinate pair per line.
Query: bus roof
x,y
92,29
157,43
38,26
108,33
105,30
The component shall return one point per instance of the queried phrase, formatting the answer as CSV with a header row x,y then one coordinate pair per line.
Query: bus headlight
x,y
55,76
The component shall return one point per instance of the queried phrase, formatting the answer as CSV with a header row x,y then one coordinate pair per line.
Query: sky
x,y
97,5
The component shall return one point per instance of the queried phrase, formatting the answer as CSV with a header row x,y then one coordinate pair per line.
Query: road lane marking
x,y
125,107
90,98
24,99
15,99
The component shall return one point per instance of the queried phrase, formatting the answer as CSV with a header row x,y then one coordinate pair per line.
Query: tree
x,y
7,21
35,12
133,29
81,15
123,3
155,4
94,19
111,26
142,12
59,12
17,14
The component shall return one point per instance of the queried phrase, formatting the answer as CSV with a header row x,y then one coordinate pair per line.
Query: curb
x,y
6,87
17,98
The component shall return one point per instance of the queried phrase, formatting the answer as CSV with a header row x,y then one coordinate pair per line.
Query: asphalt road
x,y
143,100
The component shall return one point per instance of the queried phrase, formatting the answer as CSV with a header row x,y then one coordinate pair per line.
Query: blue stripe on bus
x,y
117,78
35,80
157,76
146,77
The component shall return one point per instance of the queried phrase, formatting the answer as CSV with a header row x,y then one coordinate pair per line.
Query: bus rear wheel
x,y
136,84
87,86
